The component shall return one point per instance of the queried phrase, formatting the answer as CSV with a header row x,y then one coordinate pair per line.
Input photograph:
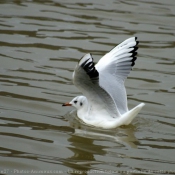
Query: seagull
x,y
104,100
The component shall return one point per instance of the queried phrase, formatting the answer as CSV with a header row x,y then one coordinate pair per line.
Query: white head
x,y
79,102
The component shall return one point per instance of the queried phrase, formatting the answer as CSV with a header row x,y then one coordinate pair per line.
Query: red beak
x,y
66,104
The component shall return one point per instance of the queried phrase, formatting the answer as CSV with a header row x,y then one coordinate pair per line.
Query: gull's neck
x,y
83,112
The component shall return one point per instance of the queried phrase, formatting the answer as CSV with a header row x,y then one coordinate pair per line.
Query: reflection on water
x,y
40,44
120,135
84,140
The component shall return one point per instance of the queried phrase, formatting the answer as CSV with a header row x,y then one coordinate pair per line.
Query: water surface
x,y
40,44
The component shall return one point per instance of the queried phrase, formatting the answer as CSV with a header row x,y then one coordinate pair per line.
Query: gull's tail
x,y
131,114
125,119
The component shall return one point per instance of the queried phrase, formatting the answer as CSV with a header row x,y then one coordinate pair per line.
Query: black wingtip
x,y
134,50
88,65
133,61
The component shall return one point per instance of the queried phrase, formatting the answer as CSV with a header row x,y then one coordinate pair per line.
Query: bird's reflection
x,y
85,147
84,155
122,135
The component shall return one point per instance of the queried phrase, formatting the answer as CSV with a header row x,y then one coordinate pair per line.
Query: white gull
x,y
104,103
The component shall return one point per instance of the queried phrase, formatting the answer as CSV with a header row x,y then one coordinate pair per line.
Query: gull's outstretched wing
x,y
86,79
114,68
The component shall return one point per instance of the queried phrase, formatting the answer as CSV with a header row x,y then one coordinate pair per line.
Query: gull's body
x,y
104,103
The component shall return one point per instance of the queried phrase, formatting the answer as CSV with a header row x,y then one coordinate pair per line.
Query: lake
x,y
40,45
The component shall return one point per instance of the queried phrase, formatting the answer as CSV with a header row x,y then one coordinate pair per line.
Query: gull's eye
x,y
75,101
81,104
